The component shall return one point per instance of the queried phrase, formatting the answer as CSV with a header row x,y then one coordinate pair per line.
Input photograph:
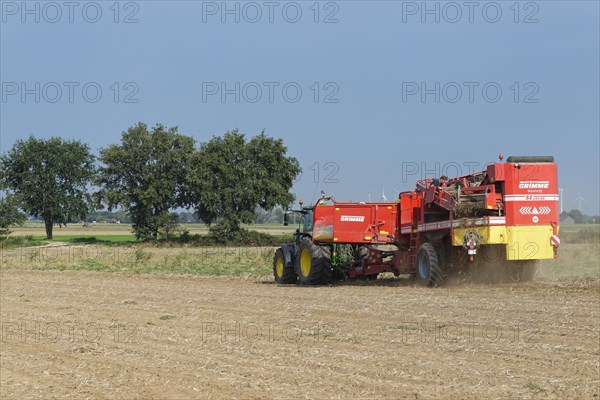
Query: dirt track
x,y
97,335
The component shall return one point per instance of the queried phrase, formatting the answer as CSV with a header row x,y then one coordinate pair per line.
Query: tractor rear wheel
x,y
429,271
313,266
283,272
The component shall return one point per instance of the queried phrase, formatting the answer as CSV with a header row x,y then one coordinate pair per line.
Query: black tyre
x,y
429,271
313,265
523,271
282,271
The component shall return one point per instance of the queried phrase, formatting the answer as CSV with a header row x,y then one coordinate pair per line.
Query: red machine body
x,y
530,192
356,223
512,205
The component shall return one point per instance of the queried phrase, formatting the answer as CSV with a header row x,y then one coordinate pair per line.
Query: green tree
x,y
49,178
10,214
145,174
577,216
230,177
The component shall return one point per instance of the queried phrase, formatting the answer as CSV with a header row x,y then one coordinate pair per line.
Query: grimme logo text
x,y
352,218
533,185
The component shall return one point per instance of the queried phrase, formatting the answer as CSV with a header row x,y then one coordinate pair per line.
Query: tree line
x,y
579,217
150,173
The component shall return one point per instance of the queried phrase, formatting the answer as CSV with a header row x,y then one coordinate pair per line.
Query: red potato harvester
x,y
507,213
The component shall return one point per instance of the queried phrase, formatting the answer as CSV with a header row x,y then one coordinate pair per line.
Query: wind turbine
x,y
383,198
579,201
560,198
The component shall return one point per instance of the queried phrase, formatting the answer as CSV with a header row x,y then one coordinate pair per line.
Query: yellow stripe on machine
x,y
529,243
522,242
490,234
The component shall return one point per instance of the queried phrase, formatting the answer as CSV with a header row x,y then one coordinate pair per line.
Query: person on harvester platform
x,y
440,182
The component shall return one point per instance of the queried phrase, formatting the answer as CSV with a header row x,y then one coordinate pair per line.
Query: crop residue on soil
x,y
106,335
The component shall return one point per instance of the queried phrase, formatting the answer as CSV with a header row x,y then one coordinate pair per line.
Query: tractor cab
x,y
305,226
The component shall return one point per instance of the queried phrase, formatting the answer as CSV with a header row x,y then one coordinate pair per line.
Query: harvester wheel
x,y
523,271
283,272
313,266
429,271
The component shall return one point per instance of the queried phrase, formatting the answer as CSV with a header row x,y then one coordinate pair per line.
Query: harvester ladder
x,y
414,239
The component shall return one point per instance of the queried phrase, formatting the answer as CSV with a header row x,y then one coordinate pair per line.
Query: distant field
x,y
37,229
575,261
585,233
75,247
569,233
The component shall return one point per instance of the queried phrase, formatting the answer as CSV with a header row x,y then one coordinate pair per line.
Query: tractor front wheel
x,y
313,266
283,272
429,271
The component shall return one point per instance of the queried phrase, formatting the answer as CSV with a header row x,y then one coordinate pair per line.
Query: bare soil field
x,y
79,334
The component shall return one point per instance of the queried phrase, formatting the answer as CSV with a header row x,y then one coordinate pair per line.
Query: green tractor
x,y
303,261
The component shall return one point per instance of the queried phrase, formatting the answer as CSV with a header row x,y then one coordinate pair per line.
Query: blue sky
x,y
368,95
